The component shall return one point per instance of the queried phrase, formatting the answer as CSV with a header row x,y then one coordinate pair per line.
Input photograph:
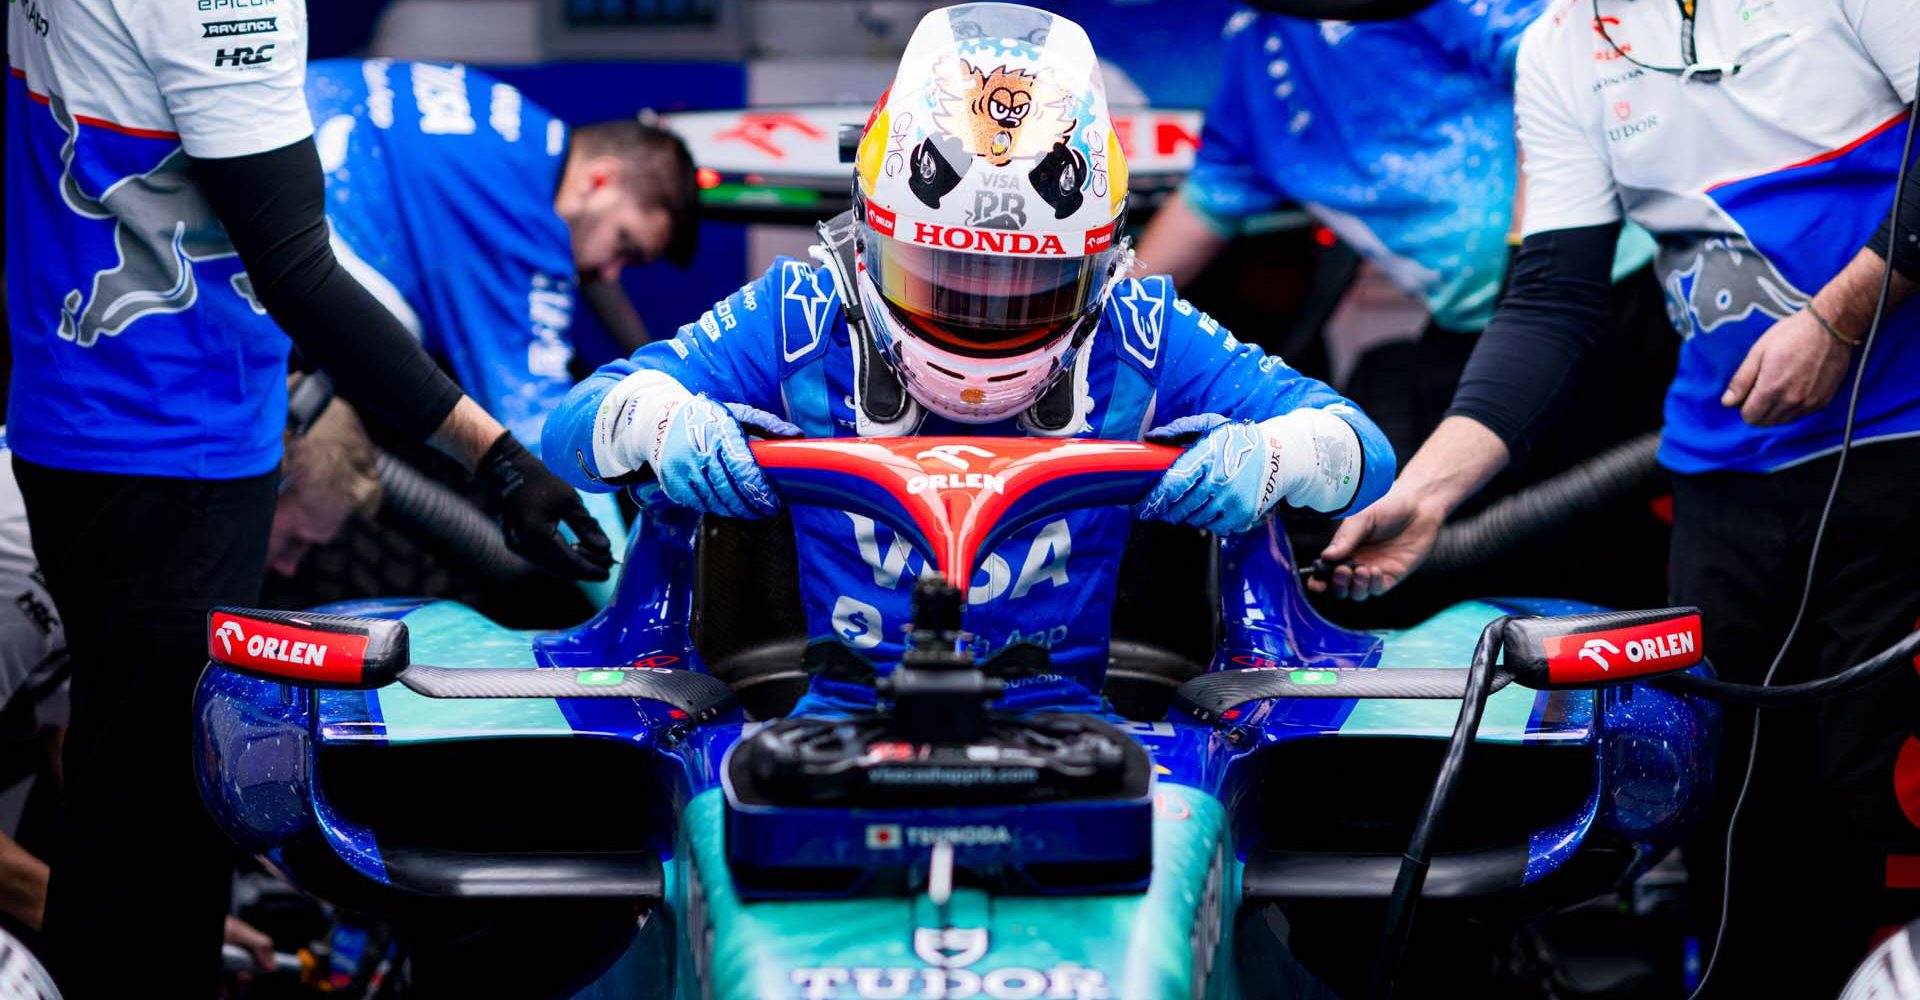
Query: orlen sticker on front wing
x,y
287,650
1611,654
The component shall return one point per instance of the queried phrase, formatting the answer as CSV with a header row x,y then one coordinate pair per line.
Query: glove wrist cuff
x,y
630,426
1313,461
499,469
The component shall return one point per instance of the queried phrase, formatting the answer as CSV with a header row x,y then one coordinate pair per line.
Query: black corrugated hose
x,y
437,511
1626,470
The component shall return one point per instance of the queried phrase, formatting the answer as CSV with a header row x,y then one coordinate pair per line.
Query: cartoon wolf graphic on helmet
x,y
1003,114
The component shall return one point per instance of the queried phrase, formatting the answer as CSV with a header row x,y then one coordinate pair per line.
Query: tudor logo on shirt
x,y
1622,110
1639,126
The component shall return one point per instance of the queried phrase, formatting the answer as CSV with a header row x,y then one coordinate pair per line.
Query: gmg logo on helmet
x,y
988,240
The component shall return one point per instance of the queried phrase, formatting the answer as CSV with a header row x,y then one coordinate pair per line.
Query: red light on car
x,y
707,178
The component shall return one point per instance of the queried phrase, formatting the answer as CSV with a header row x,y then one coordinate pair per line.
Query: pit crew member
x,y
472,214
1416,170
1760,144
980,288
162,177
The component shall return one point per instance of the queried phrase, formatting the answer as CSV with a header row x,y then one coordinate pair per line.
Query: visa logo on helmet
x,y
988,240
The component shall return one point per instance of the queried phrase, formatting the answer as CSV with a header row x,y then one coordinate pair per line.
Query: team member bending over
x,y
980,287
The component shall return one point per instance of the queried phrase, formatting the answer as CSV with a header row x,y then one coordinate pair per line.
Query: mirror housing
x,y
1613,647
311,650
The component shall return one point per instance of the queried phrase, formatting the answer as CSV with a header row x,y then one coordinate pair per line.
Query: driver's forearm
x,y
1178,243
1848,300
1453,464
467,432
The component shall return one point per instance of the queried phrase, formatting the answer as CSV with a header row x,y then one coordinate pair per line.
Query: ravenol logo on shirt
x,y
228,29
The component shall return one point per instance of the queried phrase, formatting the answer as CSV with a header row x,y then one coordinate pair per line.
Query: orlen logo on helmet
x,y
1099,239
988,240
880,219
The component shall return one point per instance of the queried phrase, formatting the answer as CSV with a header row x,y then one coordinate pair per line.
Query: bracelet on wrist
x,y
1831,332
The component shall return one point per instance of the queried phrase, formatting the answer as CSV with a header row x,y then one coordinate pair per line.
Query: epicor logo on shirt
x,y
234,4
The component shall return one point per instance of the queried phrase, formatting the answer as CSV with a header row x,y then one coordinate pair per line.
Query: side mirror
x,y
1613,647
312,650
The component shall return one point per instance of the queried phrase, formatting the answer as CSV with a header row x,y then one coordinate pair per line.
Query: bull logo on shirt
x,y
1722,279
162,227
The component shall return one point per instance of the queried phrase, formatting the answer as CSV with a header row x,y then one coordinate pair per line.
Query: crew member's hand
x,y
534,504
1792,370
1239,470
698,450
1380,546
257,944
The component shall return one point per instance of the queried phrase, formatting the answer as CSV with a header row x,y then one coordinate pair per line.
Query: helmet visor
x,y
978,304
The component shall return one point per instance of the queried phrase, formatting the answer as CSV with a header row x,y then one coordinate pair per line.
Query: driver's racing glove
x,y
1236,471
533,504
695,446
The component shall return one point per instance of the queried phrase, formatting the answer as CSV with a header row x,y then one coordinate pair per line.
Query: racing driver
x,y
979,287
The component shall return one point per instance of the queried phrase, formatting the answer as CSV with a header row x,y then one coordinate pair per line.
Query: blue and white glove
x,y
1238,470
694,445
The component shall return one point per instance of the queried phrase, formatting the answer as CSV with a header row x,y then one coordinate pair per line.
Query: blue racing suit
x,y
440,184
782,344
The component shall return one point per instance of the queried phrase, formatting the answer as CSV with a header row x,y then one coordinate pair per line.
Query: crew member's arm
x,y
1890,34
1224,188
1800,363
243,121
1555,307
271,204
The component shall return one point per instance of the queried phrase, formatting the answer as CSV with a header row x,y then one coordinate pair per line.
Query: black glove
x,y
532,504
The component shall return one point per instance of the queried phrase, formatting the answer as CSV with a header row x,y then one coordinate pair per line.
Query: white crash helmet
x,y
990,189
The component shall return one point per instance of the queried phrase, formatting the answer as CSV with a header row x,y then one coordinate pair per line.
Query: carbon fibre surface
x,y
700,696
1209,696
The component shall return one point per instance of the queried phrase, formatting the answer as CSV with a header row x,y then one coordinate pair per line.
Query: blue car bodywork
x,y
335,788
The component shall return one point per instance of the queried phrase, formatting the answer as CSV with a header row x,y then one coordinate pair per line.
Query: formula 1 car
x,y
413,758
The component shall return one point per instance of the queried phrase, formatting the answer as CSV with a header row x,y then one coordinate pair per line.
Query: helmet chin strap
x,y
882,405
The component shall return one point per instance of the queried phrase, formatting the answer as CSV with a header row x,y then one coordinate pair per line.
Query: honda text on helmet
x,y
989,192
